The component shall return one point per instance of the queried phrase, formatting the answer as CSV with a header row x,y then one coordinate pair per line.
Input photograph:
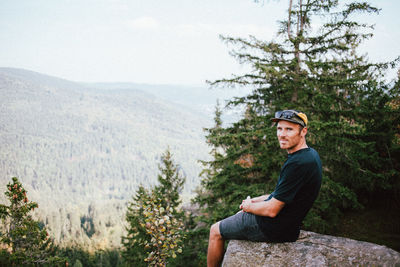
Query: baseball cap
x,y
291,116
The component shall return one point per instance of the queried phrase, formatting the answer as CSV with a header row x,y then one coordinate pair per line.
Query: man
x,y
276,217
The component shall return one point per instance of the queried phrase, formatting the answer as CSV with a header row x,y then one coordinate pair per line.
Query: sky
x,y
152,41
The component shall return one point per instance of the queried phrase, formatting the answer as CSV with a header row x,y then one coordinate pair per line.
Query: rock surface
x,y
311,249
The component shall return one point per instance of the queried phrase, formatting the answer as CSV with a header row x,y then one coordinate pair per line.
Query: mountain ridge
x,y
81,152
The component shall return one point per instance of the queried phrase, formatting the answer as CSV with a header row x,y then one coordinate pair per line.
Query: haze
x,y
154,42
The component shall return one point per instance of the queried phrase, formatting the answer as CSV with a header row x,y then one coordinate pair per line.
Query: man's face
x,y
290,136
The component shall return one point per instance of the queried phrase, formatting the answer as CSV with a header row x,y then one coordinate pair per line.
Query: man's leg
x,y
215,252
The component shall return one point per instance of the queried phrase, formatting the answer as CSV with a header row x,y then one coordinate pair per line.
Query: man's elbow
x,y
275,207
270,213
273,213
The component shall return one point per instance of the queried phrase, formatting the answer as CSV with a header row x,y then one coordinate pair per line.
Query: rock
x,y
311,249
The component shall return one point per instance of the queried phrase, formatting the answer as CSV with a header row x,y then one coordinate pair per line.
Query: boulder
x,y
311,249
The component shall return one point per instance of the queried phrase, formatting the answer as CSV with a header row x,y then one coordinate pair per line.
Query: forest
x,y
353,108
81,150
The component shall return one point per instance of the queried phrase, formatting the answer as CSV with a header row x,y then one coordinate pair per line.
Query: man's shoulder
x,y
306,156
305,153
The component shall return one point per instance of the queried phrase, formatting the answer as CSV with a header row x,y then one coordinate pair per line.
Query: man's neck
x,y
297,148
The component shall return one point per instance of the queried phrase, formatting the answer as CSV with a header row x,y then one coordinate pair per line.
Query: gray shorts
x,y
242,226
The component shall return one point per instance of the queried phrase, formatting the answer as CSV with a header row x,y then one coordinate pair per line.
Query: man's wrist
x,y
247,206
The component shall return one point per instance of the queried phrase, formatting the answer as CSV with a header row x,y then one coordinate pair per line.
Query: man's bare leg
x,y
215,251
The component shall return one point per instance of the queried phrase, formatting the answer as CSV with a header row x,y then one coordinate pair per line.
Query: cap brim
x,y
289,120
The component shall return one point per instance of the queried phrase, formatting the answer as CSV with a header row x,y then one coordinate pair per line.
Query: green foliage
x,y
246,162
164,229
353,111
87,225
76,256
78,263
171,182
25,242
156,226
194,245
133,243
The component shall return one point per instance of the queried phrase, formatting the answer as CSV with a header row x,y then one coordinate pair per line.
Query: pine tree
x,y
156,227
171,182
134,252
25,241
346,98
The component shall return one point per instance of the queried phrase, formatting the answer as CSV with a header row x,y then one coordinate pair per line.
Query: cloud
x,y
144,23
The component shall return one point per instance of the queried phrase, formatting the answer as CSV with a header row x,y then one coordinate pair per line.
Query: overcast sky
x,y
150,41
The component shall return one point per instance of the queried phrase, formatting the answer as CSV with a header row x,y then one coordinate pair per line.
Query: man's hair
x,y
301,127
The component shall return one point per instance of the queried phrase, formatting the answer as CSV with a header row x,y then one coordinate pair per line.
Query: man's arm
x,y
269,208
255,199
260,198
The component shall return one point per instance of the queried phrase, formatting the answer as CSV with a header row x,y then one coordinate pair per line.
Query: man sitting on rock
x,y
276,217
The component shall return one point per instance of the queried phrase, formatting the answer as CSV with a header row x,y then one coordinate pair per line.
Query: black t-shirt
x,y
298,186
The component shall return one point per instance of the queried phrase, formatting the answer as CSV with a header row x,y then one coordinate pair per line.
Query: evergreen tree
x,y
78,263
353,120
195,245
78,256
134,252
156,228
25,242
171,182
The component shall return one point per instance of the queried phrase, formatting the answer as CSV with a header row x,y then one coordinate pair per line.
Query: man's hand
x,y
269,208
245,203
254,200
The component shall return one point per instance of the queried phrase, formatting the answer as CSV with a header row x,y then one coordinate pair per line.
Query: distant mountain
x,y
193,98
81,150
198,99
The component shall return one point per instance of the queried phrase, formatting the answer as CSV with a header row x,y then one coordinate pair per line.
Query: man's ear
x,y
304,132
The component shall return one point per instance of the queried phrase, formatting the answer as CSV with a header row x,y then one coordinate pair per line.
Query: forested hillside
x,y
81,151
195,98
